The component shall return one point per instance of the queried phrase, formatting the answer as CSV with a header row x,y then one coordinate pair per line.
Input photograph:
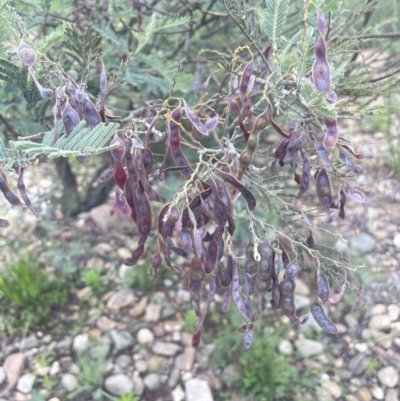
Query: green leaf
x,y
82,141
275,18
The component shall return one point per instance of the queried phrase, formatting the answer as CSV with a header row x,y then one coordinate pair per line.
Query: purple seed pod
x,y
4,223
90,112
324,188
356,195
70,118
46,93
247,340
320,317
26,54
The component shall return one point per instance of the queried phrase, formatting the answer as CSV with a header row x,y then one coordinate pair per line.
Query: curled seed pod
x,y
228,272
4,223
353,152
121,203
276,127
250,281
290,150
225,300
8,194
196,339
292,270
26,54
195,120
70,118
211,256
356,195
247,340
342,203
321,71
348,163
310,240
331,133
211,123
156,263
22,191
243,86
336,298
323,154
90,112
322,285
324,188
153,195
320,317
211,291
305,175
106,176
46,93
136,254
247,195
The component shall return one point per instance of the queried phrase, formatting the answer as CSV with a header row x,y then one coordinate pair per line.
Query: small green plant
x,y
93,279
189,322
268,375
127,397
91,372
371,366
48,383
29,293
138,278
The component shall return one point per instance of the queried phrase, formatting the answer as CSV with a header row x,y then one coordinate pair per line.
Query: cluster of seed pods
x,y
73,103
12,198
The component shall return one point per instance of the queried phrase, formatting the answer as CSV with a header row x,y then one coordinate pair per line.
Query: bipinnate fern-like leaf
x,y
83,141
83,47
275,18
12,157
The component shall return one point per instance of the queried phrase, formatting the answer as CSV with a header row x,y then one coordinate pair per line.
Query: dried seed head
x,y
26,54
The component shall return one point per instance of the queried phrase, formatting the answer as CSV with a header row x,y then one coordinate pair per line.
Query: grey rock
x,y
139,308
332,388
178,394
121,339
380,322
307,347
101,348
145,336
104,323
392,395
26,382
364,394
285,347
29,342
388,376
152,381
166,349
55,368
121,299
118,384
393,312
2,375
65,343
357,364
47,339
377,393
167,311
141,365
123,361
84,294
138,384
197,390
183,295
152,313
362,243
378,309
81,342
185,361
229,374
396,241
69,381
173,377
351,321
